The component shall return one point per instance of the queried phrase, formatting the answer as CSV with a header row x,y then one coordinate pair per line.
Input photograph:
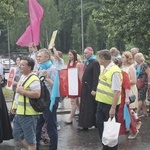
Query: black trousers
x,y
103,115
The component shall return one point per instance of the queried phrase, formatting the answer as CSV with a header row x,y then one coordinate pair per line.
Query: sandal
x,y
67,123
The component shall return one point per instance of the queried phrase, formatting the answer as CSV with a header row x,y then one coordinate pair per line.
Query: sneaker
x,y
131,137
58,128
138,125
77,112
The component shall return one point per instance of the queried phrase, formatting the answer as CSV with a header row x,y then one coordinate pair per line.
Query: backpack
x,y
43,101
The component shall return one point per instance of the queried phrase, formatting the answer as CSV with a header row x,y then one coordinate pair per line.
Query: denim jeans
x,y
24,127
103,115
50,119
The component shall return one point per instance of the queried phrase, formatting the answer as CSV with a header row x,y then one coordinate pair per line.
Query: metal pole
x,y
82,33
8,43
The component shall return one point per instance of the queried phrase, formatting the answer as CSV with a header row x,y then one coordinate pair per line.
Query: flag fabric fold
x,y
32,33
126,117
55,91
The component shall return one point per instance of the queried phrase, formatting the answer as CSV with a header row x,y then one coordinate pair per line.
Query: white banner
x,y
73,81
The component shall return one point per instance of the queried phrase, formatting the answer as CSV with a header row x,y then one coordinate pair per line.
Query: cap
x,y
89,48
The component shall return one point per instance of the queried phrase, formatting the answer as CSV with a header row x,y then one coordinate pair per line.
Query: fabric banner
x,y
63,79
11,77
55,91
126,117
73,81
32,33
68,82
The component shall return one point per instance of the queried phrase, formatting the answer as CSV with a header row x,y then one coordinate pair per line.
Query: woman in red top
x,y
73,63
125,100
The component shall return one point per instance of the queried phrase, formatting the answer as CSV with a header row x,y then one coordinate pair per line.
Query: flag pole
x,y
8,43
82,33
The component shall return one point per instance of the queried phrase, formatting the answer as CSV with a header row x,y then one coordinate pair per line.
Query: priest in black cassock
x,y
88,105
5,125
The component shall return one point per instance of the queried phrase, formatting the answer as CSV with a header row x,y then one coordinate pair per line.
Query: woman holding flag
x,y
73,63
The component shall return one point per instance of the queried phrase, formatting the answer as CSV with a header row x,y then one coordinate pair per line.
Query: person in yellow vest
x,y
108,92
25,120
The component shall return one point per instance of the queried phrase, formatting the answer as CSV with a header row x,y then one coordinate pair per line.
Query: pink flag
x,y
32,33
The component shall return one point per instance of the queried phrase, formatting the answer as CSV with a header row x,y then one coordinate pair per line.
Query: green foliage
x,y
9,9
127,20
50,22
58,15
8,94
65,58
91,34
11,12
70,14
76,38
120,23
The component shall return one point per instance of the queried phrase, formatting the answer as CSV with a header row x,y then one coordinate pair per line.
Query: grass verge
x,y
8,94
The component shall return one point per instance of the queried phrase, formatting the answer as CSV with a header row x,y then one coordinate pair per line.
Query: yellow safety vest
x,y
20,107
104,92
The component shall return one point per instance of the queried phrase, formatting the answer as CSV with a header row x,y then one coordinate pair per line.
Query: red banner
x,y
63,82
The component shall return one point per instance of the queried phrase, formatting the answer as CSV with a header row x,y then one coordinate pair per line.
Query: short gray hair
x,y
45,52
135,50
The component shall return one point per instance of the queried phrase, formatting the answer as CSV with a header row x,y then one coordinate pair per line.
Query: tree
x,y
50,22
18,26
70,14
9,9
124,20
91,34
76,38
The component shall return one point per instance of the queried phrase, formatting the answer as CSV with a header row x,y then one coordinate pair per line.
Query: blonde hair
x,y
129,57
140,57
114,50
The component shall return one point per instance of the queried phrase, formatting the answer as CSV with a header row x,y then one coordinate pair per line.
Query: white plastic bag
x,y
111,132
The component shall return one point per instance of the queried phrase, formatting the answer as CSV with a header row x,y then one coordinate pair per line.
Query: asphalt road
x,y
71,139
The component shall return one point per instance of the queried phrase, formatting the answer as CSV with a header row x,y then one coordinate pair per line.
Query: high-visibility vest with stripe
x,y
20,106
104,92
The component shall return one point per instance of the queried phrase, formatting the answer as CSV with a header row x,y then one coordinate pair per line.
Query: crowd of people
x,y
105,85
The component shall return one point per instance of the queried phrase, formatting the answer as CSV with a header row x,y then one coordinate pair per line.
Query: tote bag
x,y
111,132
